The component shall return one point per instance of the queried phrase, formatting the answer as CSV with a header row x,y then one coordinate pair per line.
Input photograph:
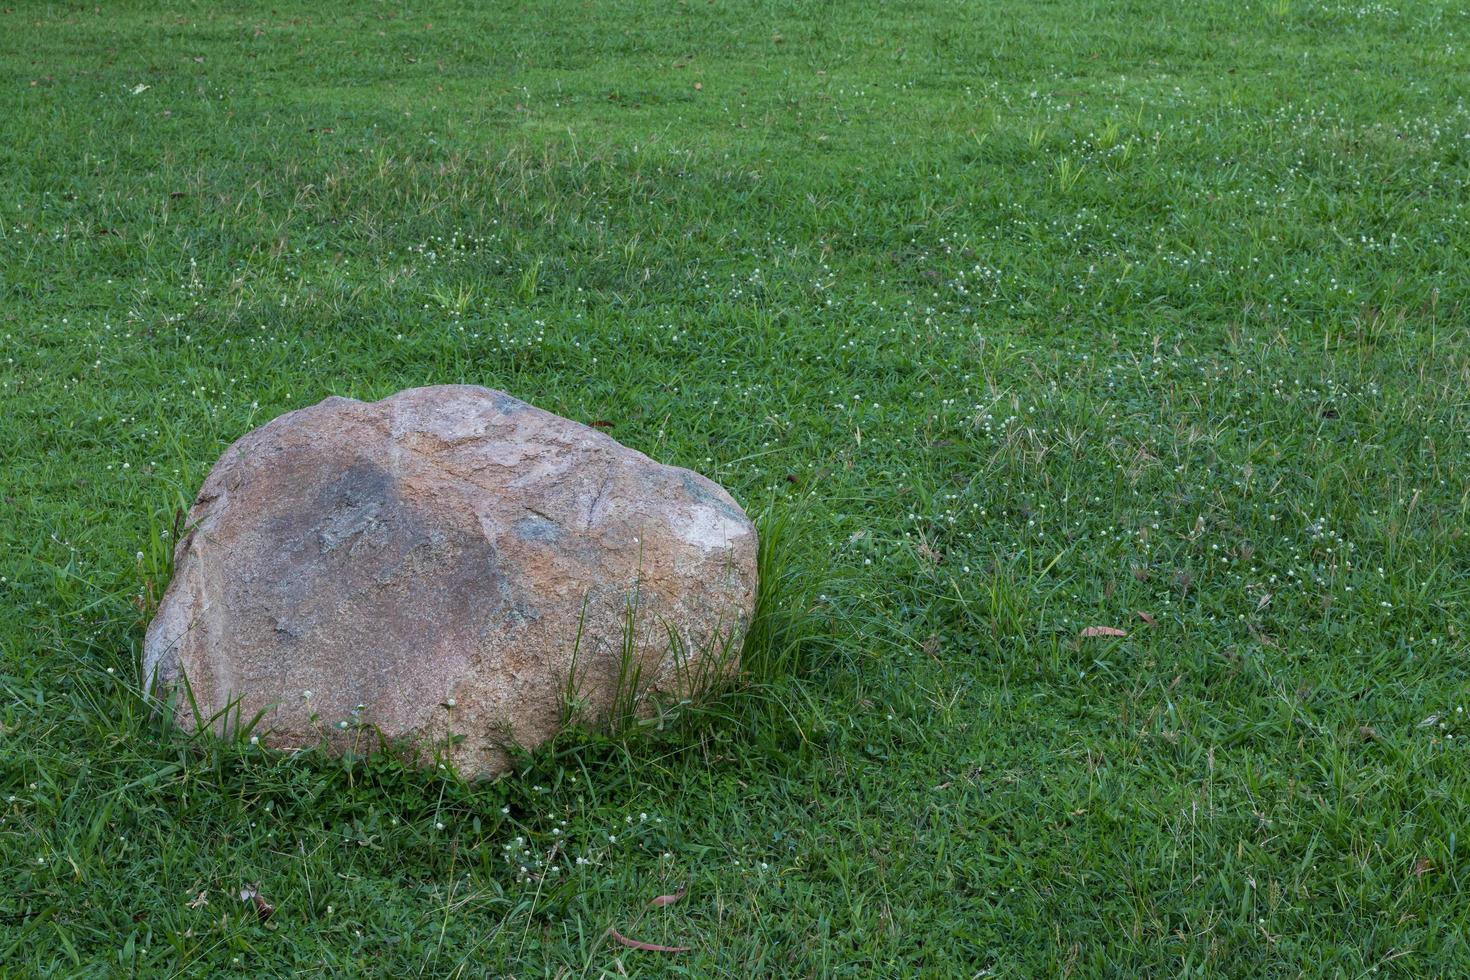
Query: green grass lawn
x,y
1021,318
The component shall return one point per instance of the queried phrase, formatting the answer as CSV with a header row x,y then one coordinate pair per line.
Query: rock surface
x,y
441,563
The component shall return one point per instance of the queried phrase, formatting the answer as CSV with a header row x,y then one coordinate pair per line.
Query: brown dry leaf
x,y
263,909
1422,867
663,900
1145,617
927,553
651,947
1102,631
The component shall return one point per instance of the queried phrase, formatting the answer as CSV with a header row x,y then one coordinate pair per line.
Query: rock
x,y
442,563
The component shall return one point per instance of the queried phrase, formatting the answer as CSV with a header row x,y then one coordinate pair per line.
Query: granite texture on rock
x,y
428,565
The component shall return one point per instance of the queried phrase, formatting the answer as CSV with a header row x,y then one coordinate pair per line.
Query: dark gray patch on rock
x,y
537,528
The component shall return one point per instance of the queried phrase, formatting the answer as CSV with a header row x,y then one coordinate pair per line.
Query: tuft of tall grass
x,y
734,679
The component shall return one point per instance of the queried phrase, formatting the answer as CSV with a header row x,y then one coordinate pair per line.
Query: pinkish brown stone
x,y
435,558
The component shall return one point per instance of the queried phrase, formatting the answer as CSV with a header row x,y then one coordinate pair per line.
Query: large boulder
x,y
448,561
